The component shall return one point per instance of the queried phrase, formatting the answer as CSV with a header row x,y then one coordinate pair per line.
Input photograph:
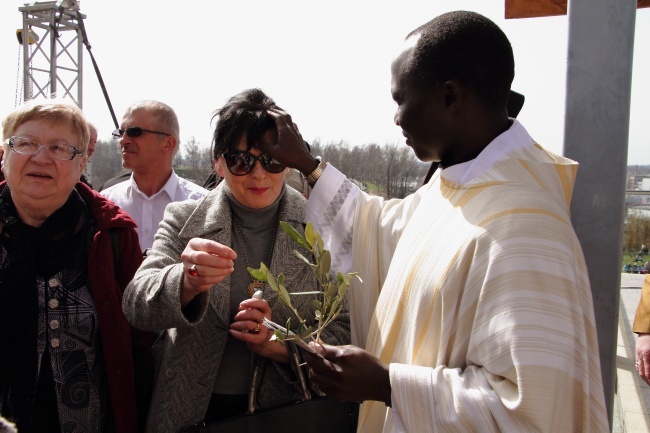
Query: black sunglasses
x,y
134,131
241,163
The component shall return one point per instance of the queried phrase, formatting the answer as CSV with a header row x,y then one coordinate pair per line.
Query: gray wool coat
x,y
188,352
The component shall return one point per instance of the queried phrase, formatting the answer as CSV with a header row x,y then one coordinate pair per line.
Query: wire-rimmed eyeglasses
x,y
60,151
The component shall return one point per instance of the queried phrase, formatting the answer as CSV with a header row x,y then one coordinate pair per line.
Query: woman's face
x,y
40,181
257,189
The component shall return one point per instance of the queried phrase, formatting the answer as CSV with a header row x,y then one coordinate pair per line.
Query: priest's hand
x,y
205,262
286,145
348,373
643,356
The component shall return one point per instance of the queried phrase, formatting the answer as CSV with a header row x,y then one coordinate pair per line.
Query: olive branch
x,y
329,299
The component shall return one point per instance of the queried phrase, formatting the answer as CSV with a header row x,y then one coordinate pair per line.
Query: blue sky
x,y
327,63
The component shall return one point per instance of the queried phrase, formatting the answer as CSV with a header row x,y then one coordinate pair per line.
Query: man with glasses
x,y
149,140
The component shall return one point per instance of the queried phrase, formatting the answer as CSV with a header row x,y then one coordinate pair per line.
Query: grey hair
x,y
165,118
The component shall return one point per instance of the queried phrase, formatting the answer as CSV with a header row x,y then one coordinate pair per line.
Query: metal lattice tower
x,y
54,63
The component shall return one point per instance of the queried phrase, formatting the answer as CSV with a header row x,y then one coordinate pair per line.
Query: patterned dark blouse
x,y
68,333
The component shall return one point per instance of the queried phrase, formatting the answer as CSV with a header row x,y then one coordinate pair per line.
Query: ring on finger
x,y
256,330
192,270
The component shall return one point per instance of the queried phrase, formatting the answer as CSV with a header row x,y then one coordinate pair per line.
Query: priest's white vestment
x,y
475,292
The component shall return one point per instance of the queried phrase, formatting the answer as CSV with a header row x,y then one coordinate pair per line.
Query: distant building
x,y
645,184
638,182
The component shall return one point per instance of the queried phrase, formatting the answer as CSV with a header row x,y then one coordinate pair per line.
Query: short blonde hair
x,y
54,110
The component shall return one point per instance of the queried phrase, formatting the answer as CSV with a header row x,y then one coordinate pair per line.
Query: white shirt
x,y
148,211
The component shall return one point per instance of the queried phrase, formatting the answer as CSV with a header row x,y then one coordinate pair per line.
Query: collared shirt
x,y
515,137
148,211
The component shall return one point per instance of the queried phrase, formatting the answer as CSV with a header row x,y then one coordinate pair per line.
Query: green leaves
x,y
325,262
344,282
279,288
301,257
258,274
293,234
310,234
328,301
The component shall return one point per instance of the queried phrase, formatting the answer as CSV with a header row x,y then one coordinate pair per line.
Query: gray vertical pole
x,y
599,76
27,84
53,33
80,64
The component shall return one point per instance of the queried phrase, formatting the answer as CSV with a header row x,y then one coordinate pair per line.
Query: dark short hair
x,y
468,47
246,112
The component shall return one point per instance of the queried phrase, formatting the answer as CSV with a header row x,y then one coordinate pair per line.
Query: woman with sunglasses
x,y
195,286
70,360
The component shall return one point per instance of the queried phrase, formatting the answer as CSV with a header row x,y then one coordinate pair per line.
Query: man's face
x,y
419,112
148,151
91,143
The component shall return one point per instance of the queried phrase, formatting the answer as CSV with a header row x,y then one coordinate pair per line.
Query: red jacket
x,y
127,351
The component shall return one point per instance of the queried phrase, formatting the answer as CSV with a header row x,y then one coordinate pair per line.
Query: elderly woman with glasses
x,y
69,356
195,286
